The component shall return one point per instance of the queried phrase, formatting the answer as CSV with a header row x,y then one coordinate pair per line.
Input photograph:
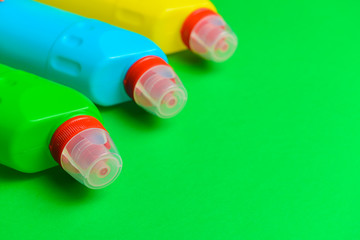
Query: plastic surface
x,y
88,55
154,85
208,35
92,158
159,20
32,109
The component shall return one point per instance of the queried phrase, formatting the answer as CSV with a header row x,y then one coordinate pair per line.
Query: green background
x,y
267,147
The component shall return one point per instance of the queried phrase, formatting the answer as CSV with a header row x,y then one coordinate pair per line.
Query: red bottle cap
x,y
68,130
207,34
138,69
154,86
193,19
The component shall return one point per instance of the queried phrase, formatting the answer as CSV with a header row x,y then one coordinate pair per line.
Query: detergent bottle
x,y
174,25
44,124
108,64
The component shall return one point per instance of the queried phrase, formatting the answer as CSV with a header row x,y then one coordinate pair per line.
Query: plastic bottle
x,y
174,25
44,124
102,61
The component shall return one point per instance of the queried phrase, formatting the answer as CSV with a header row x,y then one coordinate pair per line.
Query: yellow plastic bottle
x,y
174,25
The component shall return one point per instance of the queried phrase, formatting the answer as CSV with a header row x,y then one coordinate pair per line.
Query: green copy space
x,y
266,149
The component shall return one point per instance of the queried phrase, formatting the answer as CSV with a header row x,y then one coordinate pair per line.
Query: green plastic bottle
x,y
42,121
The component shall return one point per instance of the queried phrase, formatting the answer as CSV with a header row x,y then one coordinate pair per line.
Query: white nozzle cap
x,y
92,158
213,39
160,91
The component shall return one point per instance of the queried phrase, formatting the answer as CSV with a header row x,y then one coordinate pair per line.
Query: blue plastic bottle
x,y
108,64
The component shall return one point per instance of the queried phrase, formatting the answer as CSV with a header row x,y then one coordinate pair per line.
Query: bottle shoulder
x,y
28,98
32,108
